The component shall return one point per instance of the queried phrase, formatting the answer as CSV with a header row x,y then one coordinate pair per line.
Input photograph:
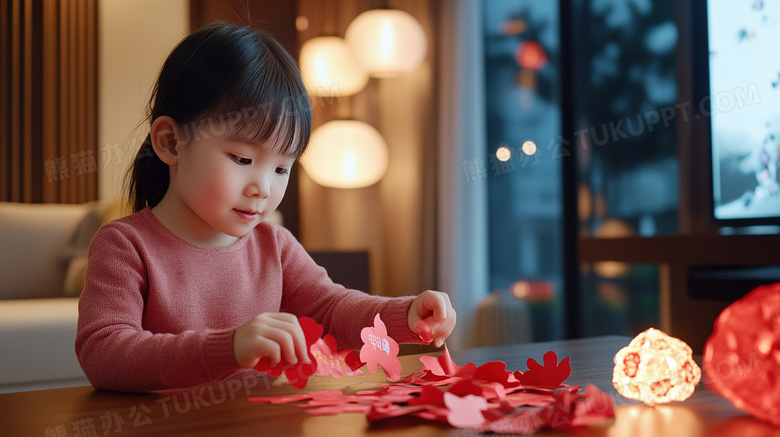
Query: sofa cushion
x,y
37,340
34,242
75,276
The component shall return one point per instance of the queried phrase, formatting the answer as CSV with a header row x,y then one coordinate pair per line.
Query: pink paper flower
x,y
379,348
465,412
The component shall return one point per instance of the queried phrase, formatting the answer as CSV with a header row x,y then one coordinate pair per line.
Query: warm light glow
x,y
530,55
512,27
656,368
613,228
329,69
661,420
302,23
346,154
529,148
584,202
611,269
387,42
503,153
533,291
521,289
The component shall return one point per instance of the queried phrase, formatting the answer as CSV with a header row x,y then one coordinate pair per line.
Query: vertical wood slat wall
x,y
48,101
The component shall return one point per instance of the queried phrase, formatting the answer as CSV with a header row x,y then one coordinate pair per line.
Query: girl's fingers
x,y
289,334
433,303
271,349
422,329
448,310
284,341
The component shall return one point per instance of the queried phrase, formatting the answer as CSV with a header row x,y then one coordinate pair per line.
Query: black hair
x,y
235,79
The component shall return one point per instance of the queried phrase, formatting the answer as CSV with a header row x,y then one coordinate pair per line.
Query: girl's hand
x,y
431,316
277,336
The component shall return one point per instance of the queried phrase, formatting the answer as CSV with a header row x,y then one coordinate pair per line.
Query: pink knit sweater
x,y
158,312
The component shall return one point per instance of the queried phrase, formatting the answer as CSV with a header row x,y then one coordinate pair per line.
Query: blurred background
x,y
533,159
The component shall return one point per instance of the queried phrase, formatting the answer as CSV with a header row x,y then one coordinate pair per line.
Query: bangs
x,y
282,126
247,88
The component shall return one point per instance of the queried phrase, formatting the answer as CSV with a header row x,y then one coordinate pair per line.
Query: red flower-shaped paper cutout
x,y
464,388
428,395
379,348
334,362
552,374
297,374
594,406
495,371
441,365
484,397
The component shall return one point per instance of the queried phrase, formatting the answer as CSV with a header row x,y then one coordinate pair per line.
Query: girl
x,y
196,286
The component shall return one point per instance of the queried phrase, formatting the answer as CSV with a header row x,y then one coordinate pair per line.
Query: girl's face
x,y
227,186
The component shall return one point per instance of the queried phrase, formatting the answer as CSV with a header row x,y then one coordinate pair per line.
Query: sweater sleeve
x,y
309,291
114,350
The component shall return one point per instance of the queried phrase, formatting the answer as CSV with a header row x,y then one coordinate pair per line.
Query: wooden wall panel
x,y
49,101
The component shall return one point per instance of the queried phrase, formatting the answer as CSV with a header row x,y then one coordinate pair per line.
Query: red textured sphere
x,y
742,356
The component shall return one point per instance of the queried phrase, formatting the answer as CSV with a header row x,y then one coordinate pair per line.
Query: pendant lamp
x,y
387,42
328,67
346,154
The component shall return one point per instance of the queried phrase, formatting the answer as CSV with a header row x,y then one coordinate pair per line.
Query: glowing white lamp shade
x,y
346,154
329,68
387,42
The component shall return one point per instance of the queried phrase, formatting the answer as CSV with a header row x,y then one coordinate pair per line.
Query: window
x,y
524,150
623,108
622,56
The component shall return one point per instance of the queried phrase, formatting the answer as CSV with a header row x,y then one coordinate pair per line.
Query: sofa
x,y
43,256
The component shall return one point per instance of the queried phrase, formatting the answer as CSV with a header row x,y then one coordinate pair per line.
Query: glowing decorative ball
x,y
742,356
656,368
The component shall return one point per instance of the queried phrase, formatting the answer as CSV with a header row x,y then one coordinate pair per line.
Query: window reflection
x,y
524,146
627,162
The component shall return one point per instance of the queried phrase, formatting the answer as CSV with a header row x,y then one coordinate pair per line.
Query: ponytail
x,y
147,177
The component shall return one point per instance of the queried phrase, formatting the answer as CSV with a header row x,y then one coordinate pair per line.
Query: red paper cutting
x,y
488,398
424,331
441,365
593,406
433,412
494,371
528,399
493,390
465,387
552,374
334,362
524,422
465,412
379,348
297,374
428,395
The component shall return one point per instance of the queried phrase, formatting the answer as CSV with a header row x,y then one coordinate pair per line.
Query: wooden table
x,y
222,409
